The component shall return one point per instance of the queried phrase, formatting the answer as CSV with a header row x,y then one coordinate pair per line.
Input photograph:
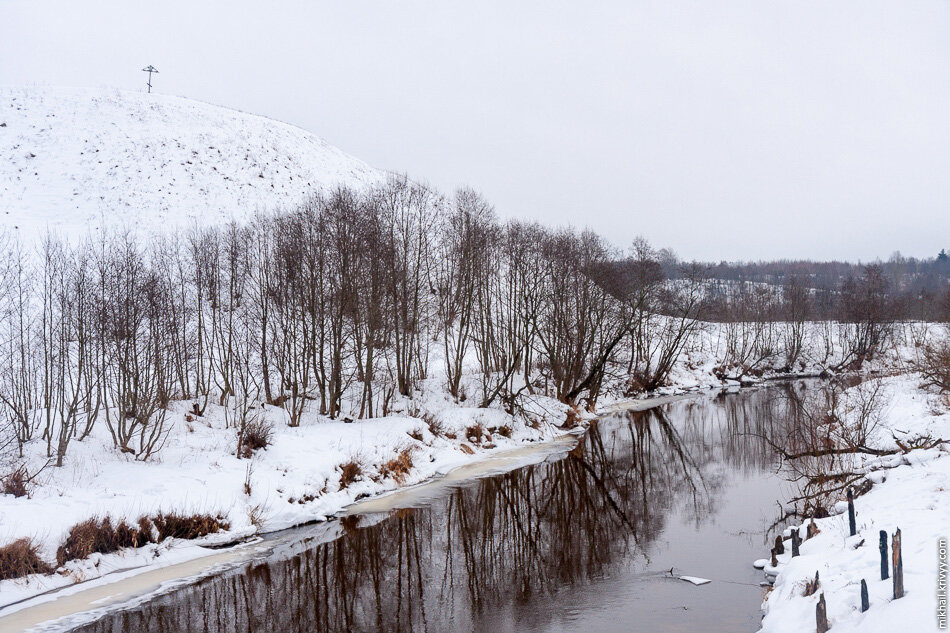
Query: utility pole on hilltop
x,y
150,69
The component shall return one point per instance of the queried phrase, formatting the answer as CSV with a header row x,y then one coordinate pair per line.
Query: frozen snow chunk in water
x,y
695,580
760,563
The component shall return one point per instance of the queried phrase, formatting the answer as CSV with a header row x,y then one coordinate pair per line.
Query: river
x,y
583,541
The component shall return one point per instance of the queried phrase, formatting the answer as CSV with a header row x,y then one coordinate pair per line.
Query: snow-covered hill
x,y
75,160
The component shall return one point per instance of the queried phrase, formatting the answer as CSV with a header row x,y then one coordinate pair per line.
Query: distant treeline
x,y
917,289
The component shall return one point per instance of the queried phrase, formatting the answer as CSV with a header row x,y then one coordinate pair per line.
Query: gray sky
x,y
723,129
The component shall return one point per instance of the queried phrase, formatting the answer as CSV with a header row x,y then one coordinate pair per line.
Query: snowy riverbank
x,y
299,477
911,491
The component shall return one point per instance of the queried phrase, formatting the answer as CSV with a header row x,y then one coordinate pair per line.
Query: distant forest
x,y
910,288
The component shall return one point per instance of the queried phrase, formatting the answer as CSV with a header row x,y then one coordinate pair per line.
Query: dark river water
x,y
582,542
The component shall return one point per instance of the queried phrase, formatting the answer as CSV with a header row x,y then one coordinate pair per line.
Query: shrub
x,y
95,536
349,473
398,467
474,433
146,531
100,537
20,558
15,483
91,536
187,527
934,365
504,431
435,424
255,435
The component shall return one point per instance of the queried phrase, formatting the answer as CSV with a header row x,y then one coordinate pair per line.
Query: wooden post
x,y
865,604
774,560
851,523
898,563
884,555
821,614
795,538
779,545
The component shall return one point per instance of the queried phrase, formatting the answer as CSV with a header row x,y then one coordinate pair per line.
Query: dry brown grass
x,y
475,433
398,467
504,431
435,424
255,436
21,558
349,473
15,483
188,526
146,531
99,536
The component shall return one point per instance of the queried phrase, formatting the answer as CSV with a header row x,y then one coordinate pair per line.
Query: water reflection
x,y
497,554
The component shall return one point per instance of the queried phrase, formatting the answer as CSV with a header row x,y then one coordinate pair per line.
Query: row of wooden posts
x,y
897,564
821,613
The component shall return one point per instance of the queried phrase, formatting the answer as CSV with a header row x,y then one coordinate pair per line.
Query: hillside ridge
x,y
73,160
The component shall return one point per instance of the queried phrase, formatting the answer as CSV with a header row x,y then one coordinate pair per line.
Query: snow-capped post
x,y
898,565
821,614
865,603
851,523
150,69
883,554
795,538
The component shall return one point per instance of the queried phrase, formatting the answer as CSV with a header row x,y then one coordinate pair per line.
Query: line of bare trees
x,y
341,306
764,325
346,304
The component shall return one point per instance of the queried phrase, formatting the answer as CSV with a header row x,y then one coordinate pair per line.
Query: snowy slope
x,y
77,159
910,493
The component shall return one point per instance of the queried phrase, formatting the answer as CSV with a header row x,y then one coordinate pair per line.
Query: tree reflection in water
x,y
499,549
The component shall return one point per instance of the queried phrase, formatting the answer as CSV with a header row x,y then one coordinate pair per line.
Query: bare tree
x,y
580,324
19,379
671,322
864,305
469,236
411,213
134,336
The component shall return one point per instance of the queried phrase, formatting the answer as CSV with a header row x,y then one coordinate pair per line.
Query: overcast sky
x,y
723,129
